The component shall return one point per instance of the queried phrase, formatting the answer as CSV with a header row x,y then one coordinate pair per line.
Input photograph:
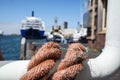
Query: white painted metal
x,y
14,70
23,41
109,60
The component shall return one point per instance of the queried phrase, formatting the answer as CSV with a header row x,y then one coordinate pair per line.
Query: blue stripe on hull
x,y
41,33
23,33
32,34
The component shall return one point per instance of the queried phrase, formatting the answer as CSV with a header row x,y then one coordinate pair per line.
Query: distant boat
x,y
33,28
1,32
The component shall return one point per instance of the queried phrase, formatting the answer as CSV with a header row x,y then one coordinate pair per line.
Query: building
x,y
86,20
96,23
65,25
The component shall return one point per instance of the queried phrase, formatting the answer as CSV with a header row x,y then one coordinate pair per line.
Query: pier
x,y
1,56
29,47
92,54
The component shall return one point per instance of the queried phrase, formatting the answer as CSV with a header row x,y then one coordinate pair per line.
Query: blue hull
x,y
32,34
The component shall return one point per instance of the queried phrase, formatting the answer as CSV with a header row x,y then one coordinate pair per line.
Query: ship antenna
x,y
56,20
32,13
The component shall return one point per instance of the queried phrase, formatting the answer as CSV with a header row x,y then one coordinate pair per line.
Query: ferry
x,y
33,28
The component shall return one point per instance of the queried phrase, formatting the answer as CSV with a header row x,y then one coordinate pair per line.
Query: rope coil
x,y
72,63
41,64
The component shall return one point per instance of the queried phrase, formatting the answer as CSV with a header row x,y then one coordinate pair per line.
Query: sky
x,y
12,12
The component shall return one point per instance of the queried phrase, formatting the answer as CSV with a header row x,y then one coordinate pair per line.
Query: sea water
x,y
10,46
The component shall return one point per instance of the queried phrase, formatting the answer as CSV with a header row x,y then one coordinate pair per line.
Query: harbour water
x,y
10,46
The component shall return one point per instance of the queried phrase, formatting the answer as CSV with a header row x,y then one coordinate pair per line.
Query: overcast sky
x,y
12,12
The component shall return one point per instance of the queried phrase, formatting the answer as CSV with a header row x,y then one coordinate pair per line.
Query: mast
x,y
32,14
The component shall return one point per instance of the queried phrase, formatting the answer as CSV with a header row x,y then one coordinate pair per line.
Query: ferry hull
x,y
32,33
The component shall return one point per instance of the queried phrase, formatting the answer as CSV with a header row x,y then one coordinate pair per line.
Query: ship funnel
x,y
32,13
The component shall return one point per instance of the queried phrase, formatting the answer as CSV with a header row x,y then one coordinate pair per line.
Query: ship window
x,y
28,26
37,21
36,26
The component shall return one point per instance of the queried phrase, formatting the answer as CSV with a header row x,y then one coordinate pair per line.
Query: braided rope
x,y
39,71
68,73
72,63
42,64
42,55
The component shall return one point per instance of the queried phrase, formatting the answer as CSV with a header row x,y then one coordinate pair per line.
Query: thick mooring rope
x,y
50,50
71,64
39,71
44,61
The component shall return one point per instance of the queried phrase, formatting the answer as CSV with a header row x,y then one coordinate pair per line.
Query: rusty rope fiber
x,y
68,73
45,54
68,62
73,55
42,62
50,45
72,63
77,46
50,50
39,71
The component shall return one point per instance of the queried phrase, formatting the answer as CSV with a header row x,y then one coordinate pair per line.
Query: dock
x,y
29,47
91,54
